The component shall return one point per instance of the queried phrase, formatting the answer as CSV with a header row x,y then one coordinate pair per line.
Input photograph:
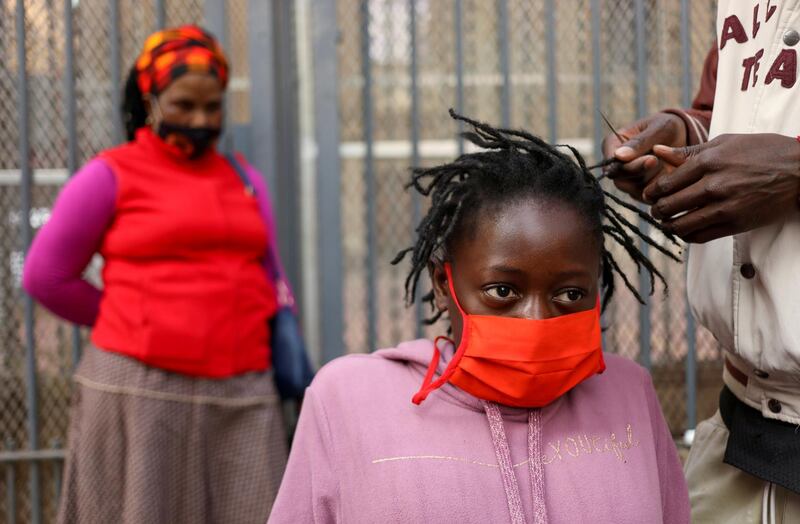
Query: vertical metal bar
x,y
328,167
552,78
274,116
597,102
691,340
686,55
26,235
77,346
11,493
116,72
288,158
691,370
215,19
641,59
58,470
51,34
641,111
161,13
369,173
459,15
309,248
72,131
597,85
505,68
260,38
416,213
11,485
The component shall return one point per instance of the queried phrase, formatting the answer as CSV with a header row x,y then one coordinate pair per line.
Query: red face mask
x,y
519,362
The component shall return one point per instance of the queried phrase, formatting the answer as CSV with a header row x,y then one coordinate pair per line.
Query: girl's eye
x,y
570,295
500,292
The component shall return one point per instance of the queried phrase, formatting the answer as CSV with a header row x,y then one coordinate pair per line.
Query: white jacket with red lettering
x,y
753,312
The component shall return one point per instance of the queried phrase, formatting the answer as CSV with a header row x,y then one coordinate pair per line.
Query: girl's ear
x,y
441,289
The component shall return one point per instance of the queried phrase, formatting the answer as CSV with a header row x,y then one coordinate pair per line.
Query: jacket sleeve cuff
x,y
697,124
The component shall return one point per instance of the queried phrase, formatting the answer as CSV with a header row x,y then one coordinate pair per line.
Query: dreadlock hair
x,y
516,165
134,113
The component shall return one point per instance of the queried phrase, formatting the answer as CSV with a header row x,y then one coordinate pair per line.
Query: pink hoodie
x,y
364,453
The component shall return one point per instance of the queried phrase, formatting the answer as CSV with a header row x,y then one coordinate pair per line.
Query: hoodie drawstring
x,y
535,467
504,459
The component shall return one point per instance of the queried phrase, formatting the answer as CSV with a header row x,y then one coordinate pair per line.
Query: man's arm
x,y
698,118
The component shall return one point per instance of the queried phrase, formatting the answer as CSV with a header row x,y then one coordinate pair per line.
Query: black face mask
x,y
201,138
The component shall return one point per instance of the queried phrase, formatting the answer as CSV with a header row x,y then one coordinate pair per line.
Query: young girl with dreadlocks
x,y
521,417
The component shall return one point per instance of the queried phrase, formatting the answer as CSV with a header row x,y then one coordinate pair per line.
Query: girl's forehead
x,y
530,233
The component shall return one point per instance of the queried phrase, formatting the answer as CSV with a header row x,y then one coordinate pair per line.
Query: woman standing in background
x,y
175,416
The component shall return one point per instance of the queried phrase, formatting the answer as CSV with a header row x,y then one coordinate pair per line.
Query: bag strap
x,y
273,262
241,172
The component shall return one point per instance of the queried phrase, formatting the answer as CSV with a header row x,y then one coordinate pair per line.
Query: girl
x,y
521,417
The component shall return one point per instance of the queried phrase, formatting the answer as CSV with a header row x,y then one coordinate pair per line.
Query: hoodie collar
x,y
417,355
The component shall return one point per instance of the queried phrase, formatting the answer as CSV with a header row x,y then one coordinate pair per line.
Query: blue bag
x,y
290,362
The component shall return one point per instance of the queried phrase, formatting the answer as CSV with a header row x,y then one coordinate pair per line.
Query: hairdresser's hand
x,y
638,166
729,185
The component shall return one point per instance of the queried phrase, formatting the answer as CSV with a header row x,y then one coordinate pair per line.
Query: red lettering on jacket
x,y
751,65
770,10
784,68
756,23
732,28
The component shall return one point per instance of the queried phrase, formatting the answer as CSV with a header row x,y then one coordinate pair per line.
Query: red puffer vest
x,y
185,286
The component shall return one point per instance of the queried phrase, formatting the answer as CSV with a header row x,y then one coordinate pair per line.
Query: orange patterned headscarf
x,y
170,53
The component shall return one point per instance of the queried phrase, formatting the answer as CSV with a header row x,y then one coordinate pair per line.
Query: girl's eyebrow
x,y
505,269
574,273
500,268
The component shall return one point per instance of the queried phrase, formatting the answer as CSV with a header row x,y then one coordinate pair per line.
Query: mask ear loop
x,y
428,384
